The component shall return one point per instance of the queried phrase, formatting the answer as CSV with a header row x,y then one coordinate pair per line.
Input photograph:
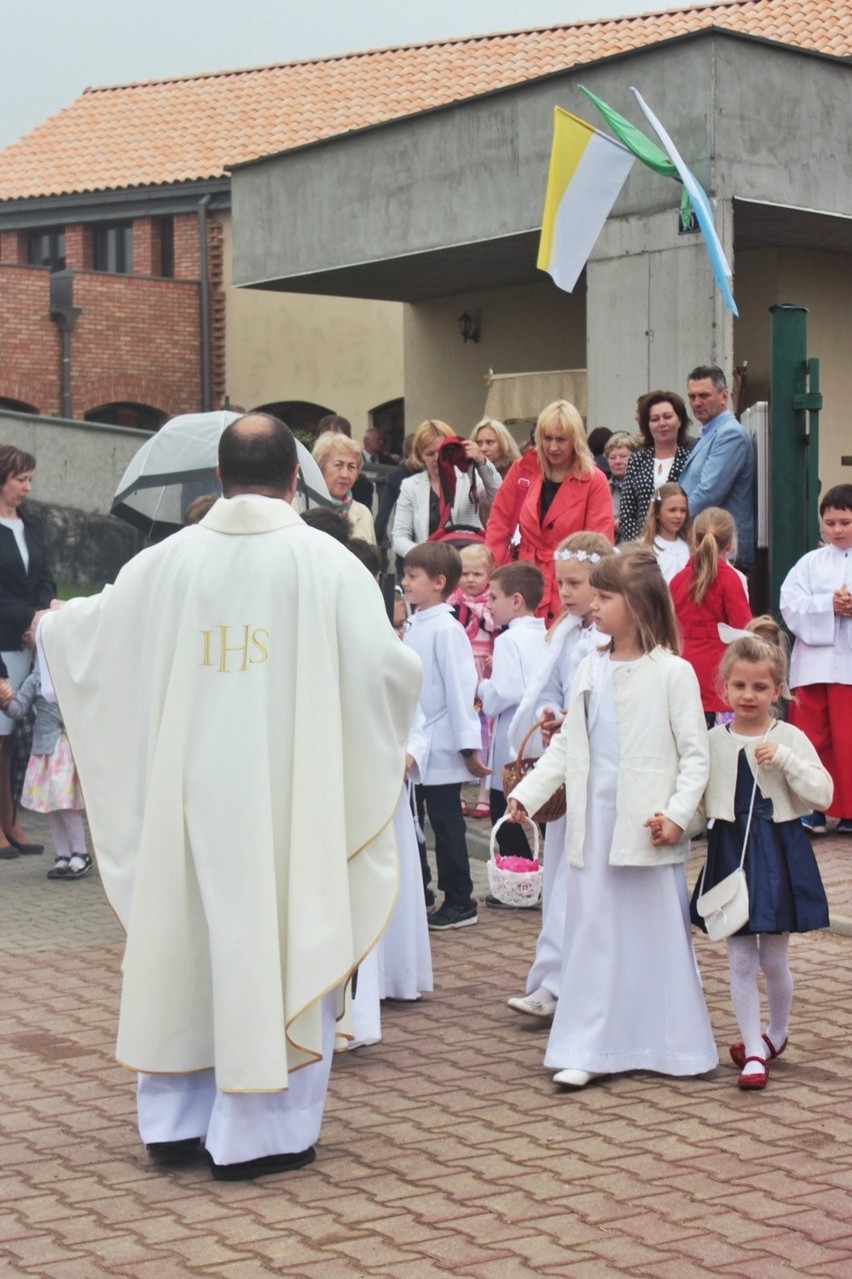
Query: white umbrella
x,y
179,464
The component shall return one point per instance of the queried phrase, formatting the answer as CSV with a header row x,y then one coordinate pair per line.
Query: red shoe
x,y
738,1056
757,1080
482,810
465,810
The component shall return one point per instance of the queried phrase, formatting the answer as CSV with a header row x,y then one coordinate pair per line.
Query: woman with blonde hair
x,y
554,490
421,508
496,443
340,459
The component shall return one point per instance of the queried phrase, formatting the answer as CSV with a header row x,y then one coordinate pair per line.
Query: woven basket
x,y
515,772
512,887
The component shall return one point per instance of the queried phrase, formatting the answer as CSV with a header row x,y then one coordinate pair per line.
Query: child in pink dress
x,y
51,784
469,602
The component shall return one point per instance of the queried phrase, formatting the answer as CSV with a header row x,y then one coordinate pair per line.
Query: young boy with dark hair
x,y
816,603
515,593
432,571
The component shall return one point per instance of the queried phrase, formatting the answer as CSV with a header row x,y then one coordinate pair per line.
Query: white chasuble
x,y
238,707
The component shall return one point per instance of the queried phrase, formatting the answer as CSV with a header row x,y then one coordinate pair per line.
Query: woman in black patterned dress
x,y
663,423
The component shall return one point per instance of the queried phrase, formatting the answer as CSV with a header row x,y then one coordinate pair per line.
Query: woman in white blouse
x,y
419,506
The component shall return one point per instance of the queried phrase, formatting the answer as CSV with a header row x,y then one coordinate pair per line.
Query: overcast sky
x,y
53,49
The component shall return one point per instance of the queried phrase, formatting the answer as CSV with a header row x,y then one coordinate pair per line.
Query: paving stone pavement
x,y
446,1149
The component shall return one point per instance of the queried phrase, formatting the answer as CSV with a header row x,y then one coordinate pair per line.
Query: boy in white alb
x,y
515,593
816,603
452,728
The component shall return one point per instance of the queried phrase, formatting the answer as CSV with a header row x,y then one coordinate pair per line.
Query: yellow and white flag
x,y
587,171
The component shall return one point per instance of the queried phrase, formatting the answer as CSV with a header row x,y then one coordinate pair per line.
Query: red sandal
x,y
758,1079
738,1056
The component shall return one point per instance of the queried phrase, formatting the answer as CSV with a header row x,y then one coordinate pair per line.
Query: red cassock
x,y
582,503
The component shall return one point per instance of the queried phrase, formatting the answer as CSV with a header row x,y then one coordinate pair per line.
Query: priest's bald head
x,y
257,454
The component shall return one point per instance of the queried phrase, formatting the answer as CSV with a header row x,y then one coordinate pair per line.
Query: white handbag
x,y
725,907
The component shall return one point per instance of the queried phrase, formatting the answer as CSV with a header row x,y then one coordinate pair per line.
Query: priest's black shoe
x,y
170,1152
262,1167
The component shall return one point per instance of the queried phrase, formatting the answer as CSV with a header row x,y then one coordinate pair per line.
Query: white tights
x,y
67,832
768,952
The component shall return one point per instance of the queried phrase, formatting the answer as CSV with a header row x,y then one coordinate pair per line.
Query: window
x,y
167,247
112,248
390,419
16,406
301,416
123,413
47,248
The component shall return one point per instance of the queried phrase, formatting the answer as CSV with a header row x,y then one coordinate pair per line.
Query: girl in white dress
x,y
634,748
666,529
568,641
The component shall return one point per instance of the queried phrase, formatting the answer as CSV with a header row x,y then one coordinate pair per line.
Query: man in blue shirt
x,y
720,469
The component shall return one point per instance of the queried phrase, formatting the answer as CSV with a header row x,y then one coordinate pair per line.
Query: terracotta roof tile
x,y
191,128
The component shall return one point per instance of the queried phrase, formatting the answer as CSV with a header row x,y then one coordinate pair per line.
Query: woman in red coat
x,y
549,493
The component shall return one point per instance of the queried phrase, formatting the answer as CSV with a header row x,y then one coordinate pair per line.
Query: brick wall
x,y
30,346
13,246
187,265
136,340
78,247
216,269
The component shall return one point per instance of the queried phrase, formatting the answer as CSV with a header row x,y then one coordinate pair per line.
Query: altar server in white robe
x,y
220,699
400,967
816,604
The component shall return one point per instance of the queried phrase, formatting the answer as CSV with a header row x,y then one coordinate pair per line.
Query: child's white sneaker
x,y
539,1004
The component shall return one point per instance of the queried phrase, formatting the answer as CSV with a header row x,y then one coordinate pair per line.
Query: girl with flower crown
x,y
571,637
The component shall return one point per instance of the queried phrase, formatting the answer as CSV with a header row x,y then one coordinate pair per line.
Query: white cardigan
x,y
361,521
663,758
795,780
411,518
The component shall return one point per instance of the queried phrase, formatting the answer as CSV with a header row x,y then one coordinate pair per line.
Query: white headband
x,y
585,557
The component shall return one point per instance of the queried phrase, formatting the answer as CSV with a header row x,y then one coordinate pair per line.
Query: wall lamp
x,y
469,326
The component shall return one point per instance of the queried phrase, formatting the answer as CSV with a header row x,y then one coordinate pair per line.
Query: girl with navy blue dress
x,y
760,755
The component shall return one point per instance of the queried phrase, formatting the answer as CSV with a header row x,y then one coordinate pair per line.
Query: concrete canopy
x,y
451,200
442,211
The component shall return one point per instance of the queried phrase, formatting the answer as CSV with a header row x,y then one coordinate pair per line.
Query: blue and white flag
x,y
721,268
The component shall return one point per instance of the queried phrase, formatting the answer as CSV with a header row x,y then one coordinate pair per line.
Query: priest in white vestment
x,y
238,707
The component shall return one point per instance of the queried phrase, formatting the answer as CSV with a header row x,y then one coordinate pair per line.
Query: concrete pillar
x,y
653,312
